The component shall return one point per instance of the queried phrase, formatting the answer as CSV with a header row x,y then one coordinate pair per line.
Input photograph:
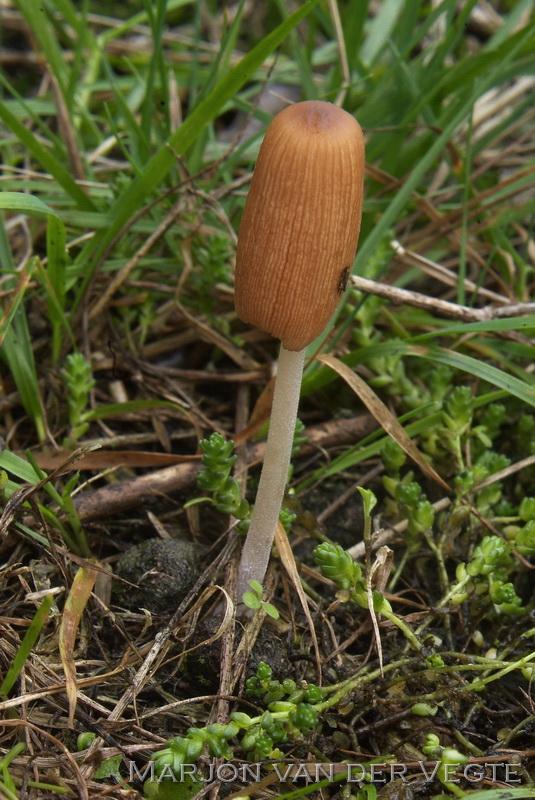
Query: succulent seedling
x,y
296,246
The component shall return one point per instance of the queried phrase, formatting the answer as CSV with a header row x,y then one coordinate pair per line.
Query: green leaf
x,y
369,500
25,648
38,22
18,466
45,159
250,599
525,324
16,306
256,587
16,350
22,203
270,610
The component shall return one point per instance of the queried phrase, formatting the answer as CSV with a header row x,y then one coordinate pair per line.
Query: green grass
x,y
122,183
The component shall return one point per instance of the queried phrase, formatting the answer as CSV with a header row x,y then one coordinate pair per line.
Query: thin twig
x,y
442,273
441,307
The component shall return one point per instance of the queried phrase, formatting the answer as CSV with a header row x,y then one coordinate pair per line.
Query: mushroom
x,y
296,246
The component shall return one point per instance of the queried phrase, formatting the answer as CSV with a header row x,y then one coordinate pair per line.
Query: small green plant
x,y
63,516
79,380
406,497
290,715
217,462
70,527
488,577
448,759
456,419
337,564
109,767
212,256
8,787
253,600
486,574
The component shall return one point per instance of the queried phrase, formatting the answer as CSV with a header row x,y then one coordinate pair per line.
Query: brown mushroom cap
x,y
301,221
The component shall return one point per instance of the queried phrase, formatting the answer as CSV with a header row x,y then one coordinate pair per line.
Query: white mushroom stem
x,y
257,548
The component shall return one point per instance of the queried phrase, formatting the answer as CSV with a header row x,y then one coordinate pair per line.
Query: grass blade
x,y
21,203
161,162
30,638
16,350
44,157
55,282
46,38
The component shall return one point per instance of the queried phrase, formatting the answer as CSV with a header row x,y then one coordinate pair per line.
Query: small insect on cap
x,y
301,221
